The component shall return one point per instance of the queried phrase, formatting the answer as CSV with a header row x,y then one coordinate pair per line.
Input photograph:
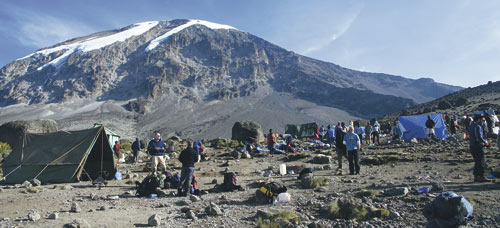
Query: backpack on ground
x,y
147,186
448,210
229,183
270,191
194,187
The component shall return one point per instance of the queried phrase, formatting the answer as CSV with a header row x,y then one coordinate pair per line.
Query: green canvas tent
x,y
301,131
58,157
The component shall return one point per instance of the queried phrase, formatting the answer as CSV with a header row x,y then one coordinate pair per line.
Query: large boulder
x,y
243,130
10,132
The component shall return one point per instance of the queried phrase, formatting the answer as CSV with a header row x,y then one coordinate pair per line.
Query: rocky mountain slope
x,y
463,102
142,77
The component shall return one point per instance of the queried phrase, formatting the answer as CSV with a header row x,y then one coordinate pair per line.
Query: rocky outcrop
x,y
243,130
11,132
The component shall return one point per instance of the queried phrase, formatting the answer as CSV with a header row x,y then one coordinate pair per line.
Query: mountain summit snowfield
x,y
194,78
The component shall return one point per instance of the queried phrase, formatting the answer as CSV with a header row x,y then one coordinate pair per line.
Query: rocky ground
x,y
387,172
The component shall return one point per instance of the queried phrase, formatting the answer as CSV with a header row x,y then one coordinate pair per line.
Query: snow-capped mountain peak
x,y
94,43
154,43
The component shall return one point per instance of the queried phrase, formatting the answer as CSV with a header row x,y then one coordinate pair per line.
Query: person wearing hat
x,y
156,148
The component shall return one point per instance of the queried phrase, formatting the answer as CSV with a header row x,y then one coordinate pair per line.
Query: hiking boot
x,y
481,179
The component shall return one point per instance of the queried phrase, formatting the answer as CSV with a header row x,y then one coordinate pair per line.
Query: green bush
x,y
365,192
347,210
318,182
262,224
288,216
126,147
4,148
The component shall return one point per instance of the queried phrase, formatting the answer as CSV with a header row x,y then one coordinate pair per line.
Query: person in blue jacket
x,y
477,142
156,148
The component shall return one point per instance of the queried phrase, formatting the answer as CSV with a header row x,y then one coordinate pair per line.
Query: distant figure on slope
x,y
271,140
477,142
136,147
353,145
376,132
156,148
429,124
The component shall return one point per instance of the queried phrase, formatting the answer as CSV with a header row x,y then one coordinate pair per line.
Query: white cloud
x,y
35,29
338,31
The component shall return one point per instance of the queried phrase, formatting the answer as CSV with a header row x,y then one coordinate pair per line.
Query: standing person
x,y
484,125
429,124
477,142
498,139
156,148
376,132
136,147
453,127
271,140
368,133
489,122
395,131
116,149
359,131
316,133
330,135
187,157
322,131
340,147
197,146
353,144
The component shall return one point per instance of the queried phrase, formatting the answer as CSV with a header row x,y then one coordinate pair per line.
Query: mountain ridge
x,y
198,65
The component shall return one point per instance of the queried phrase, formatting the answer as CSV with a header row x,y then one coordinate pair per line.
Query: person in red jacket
x,y
116,149
271,140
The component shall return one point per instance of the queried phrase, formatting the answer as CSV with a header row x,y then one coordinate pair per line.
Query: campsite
x,y
391,174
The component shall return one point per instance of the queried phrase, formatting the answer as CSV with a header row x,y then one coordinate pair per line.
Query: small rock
x,y
26,184
185,209
194,198
93,196
394,215
113,198
190,214
102,208
214,181
213,210
268,173
321,189
75,208
327,167
33,216
66,187
54,215
78,223
398,191
36,182
154,220
314,225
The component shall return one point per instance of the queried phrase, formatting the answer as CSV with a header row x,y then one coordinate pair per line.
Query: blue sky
x,y
452,41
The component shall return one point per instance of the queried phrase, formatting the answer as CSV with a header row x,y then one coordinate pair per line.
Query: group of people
x,y
188,157
367,134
